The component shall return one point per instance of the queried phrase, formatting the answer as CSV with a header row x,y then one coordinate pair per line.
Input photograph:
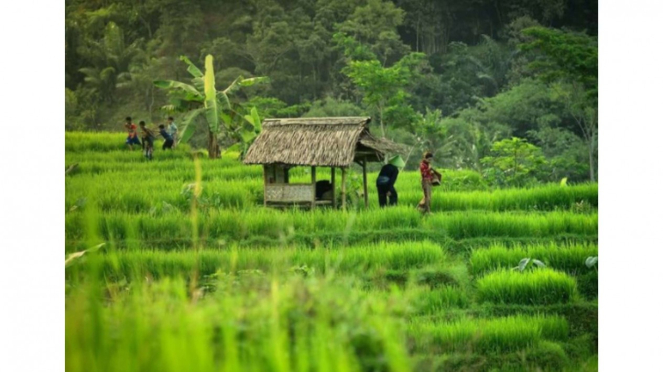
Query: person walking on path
x,y
148,140
168,143
386,180
132,137
172,130
427,176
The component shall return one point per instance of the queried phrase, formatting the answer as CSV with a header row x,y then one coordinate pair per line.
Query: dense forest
x,y
508,88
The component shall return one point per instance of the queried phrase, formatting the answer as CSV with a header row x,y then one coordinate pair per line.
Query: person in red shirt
x,y
132,137
427,175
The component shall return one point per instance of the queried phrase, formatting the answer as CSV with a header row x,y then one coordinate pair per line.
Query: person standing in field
x,y
172,130
132,138
387,179
168,143
148,140
427,177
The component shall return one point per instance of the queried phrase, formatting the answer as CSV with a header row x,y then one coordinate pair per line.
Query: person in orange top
x,y
132,138
427,175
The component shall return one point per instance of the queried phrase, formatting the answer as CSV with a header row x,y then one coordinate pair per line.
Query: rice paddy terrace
x,y
187,271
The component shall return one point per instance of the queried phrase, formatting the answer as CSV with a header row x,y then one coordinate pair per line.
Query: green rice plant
x,y
543,198
497,335
471,225
508,334
547,356
99,142
539,287
439,338
566,258
270,325
314,290
357,259
436,300
168,228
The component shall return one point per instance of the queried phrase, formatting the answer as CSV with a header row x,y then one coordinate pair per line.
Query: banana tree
x,y
202,99
245,133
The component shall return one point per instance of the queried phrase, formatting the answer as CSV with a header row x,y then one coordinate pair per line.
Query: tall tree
x,y
110,57
376,26
570,59
381,87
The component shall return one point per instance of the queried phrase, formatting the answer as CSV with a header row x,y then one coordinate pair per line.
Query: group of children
x,y
147,136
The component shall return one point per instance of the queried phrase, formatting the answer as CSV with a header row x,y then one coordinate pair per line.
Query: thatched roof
x,y
318,142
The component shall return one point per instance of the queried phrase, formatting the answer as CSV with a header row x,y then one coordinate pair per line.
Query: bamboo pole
x,y
363,168
333,181
343,177
264,185
313,185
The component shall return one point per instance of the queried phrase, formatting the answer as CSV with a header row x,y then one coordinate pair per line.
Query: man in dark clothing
x,y
168,143
387,179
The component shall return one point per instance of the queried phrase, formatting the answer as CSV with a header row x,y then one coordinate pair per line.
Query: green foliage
x,y
110,57
202,98
570,64
375,25
469,72
383,88
246,132
569,56
468,66
513,162
565,153
275,108
333,107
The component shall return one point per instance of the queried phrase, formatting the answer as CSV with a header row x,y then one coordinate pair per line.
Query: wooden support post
x,y
363,168
333,181
313,185
343,177
264,185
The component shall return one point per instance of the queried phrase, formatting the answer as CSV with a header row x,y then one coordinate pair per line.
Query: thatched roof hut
x,y
315,142
322,142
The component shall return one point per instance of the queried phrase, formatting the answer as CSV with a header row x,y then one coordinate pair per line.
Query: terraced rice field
x,y
189,272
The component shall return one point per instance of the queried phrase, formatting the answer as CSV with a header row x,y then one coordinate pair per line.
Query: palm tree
x,y
109,57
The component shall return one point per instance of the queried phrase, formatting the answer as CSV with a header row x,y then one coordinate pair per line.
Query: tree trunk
x,y
417,33
213,146
592,163
382,124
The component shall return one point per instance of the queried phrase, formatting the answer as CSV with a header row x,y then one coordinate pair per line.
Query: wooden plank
x,y
289,192
363,168
333,181
343,177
